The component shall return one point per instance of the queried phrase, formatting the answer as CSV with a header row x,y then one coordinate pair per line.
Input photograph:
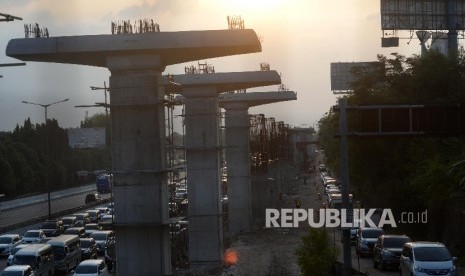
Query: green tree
x,y
316,255
7,177
408,173
96,120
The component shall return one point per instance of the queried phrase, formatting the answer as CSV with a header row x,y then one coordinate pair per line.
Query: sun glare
x,y
253,5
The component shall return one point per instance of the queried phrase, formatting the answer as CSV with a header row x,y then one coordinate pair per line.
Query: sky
x,y
300,38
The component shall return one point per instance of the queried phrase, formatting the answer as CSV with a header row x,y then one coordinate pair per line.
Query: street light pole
x,y
45,106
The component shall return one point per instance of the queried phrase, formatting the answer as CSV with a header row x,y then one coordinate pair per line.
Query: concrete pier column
x,y
140,189
238,163
203,178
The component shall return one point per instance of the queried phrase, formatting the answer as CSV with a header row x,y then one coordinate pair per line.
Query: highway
x,y
38,212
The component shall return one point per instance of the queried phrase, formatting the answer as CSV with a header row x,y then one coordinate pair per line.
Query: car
x,y
78,231
102,238
69,221
91,227
82,218
426,258
106,222
110,206
386,251
332,191
181,194
331,186
322,175
18,270
94,215
88,248
52,228
366,239
9,260
91,268
102,210
34,236
92,198
327,180
8,242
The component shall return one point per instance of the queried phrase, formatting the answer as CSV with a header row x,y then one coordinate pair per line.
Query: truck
x,y
104,183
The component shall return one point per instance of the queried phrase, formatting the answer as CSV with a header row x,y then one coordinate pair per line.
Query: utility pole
x,y
45,106
344,164
105,90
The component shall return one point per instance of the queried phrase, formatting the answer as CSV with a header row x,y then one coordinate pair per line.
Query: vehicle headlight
x,y
418,268
453,269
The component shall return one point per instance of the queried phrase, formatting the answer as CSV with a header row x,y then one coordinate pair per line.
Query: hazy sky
x,y
300,40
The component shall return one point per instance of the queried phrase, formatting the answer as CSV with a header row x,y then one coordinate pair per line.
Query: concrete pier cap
x,y
194,85
172,47
251,99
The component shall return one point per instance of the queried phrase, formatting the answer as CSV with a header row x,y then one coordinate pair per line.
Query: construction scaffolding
x,y
269,142
176,179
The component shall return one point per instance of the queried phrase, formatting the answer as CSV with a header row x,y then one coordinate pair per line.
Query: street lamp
x,y
45,106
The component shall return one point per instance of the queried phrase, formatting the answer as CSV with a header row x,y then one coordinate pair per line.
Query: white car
x,y
34,236
18,270
91,268
7,242
426,258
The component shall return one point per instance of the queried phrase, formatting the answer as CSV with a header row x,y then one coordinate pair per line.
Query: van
x,y
39,256
335,200
67,252
426,258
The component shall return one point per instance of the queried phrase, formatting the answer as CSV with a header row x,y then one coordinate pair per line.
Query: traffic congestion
x,y
80,243
385,252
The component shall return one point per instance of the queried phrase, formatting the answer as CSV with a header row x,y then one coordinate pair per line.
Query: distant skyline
x,y
300,40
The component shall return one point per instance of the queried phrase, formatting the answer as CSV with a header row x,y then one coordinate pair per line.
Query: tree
x,y
316,255
408,173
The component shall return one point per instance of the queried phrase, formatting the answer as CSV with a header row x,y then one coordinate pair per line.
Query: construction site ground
x,y
271,251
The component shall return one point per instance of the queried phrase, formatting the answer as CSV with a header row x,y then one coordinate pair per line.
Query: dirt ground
x,y
271,251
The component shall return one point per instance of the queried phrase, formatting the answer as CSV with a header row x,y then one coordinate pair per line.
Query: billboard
x,y
421,14
343,74
86,137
